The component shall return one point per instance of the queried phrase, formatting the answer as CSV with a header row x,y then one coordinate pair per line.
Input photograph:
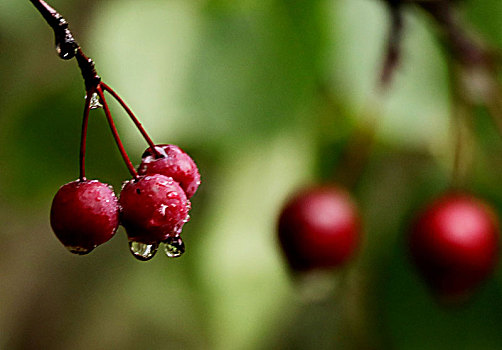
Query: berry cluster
x,y
153,206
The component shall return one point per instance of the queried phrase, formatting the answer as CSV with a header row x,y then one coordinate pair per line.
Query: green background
x,y
265,96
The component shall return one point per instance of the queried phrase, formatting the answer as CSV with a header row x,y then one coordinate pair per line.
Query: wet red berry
x,y
454,243
319,228
153,208
174,162
84,214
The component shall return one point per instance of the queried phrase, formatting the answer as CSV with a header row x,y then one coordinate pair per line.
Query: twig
x,y
66,45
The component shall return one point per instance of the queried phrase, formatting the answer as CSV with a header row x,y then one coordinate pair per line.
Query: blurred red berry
x,y
319,228
454,243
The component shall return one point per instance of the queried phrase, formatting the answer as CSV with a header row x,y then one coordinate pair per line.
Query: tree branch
x,y
66,45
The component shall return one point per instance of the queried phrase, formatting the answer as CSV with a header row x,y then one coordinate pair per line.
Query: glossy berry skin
x,y
174,163
84,214
153,208
454,243
319,228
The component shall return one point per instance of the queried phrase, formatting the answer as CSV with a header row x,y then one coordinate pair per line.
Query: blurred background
x,y
265,97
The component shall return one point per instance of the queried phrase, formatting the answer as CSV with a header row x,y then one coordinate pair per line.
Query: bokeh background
x,y
265,96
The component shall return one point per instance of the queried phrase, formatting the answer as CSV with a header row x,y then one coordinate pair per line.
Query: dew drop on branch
x,y
95,103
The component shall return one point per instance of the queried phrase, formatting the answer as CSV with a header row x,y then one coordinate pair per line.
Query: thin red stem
x,y
115,133
83,136
133,118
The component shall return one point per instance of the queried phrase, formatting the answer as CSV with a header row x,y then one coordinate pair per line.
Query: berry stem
x,y
466,48
133,118
393,46
68,48
116,134
83,137
358,150
477,60
461,124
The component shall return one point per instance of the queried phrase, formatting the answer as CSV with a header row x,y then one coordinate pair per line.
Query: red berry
x,y
319,228
84,214
454,243
153,208
174,162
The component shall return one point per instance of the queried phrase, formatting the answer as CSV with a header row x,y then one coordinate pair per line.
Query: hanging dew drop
x,y
66,47
174,247
79,250
66,52
142,251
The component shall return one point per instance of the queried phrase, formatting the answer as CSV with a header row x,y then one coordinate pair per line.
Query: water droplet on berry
x,y
95,102
143,251
177,229
186,219
174,247
79,250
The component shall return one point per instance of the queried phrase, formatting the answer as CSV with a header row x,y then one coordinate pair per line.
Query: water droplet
x,y
162,209
95,102
66,46
186,219
79,250
143,251
174,247
178,228
65,51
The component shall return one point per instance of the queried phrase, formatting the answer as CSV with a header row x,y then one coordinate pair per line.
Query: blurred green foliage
x,y
242,86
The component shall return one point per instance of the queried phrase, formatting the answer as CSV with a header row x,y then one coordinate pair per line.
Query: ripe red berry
x,y
153,208
319,228
174,162
84,214
454,243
